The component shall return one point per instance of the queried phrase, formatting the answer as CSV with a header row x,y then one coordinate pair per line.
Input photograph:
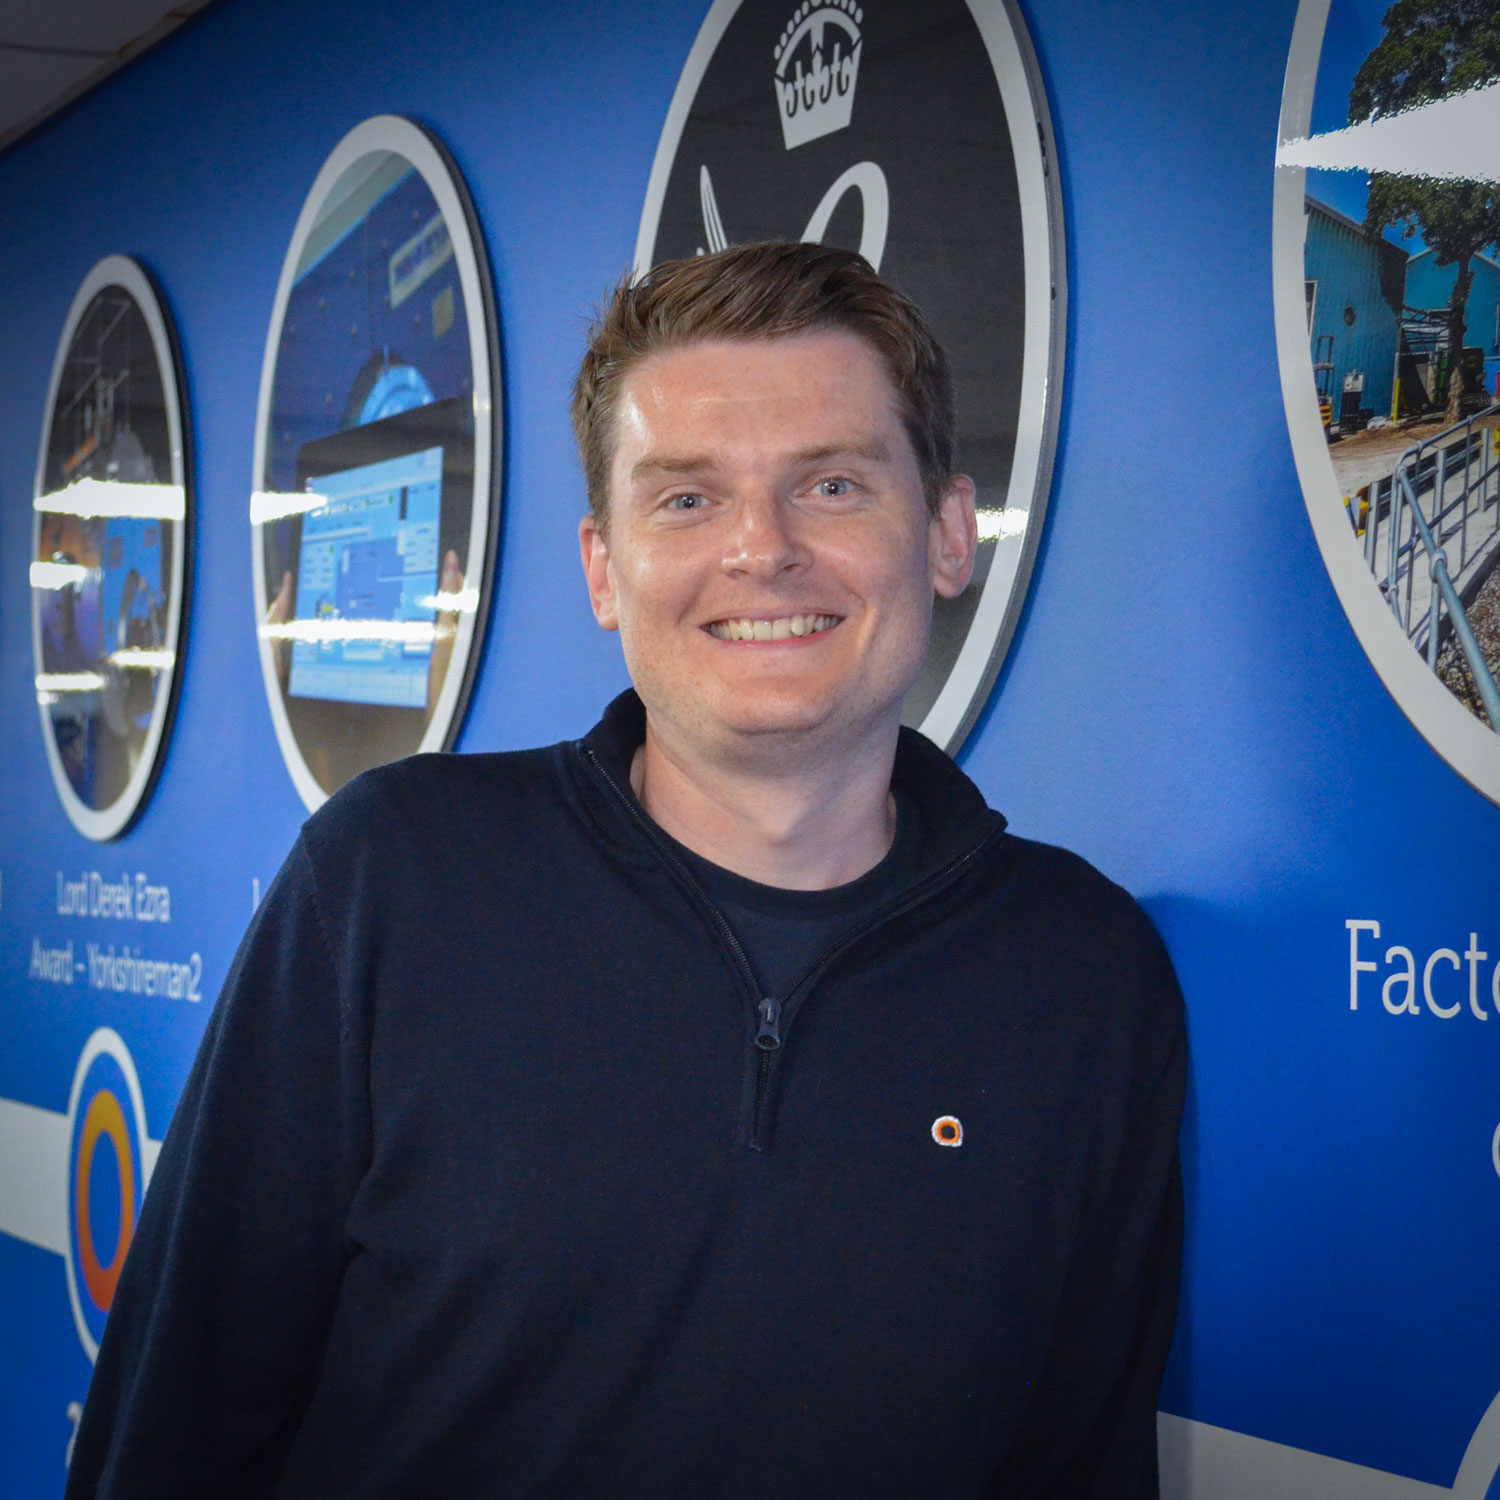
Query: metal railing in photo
x,y
1458,470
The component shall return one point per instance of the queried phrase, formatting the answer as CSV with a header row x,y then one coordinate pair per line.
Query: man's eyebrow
x,y
668,463
869,448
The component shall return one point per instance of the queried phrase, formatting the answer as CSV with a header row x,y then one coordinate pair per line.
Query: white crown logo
x,y
817,67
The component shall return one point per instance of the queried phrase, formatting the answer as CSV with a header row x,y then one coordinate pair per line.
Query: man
x,y
721,1105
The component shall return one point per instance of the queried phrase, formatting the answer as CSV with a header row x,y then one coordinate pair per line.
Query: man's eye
x,y
831,489
686,502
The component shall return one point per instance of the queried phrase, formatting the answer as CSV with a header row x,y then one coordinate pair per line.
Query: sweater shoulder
x,y
1073,885
1094,927
443,801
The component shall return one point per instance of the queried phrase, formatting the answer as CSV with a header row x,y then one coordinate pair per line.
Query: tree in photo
x,y
1433,49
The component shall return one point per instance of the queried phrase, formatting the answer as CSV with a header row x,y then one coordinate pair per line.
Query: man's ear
x,y
952,537
598,570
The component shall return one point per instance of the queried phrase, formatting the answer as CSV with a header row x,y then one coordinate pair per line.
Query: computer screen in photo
x,y
369,557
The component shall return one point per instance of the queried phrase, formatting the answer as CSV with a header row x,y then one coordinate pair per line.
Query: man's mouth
x,y
782,628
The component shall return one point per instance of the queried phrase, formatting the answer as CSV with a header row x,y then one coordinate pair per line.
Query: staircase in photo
x,y
1431,537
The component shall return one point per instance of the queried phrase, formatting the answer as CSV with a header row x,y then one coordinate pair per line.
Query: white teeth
x,y
781,629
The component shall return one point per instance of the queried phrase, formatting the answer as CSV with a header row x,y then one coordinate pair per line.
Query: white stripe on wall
x,y
1200,1462
34,1175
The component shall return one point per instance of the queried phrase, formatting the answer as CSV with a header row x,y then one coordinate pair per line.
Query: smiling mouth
x,y
783,628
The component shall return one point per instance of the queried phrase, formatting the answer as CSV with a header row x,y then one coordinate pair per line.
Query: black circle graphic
x,y
885,128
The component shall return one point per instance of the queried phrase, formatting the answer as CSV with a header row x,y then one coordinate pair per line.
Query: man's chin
x,y
759,716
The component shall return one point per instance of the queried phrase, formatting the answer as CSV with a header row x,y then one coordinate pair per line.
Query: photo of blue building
x,y
1429,286
1356,289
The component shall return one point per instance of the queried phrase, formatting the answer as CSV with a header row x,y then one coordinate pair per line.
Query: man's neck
x,y
797,821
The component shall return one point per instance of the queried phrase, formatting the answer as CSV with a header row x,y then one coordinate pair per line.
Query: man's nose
x,y
764,541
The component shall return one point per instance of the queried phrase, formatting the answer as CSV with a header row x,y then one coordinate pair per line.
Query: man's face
x,y
771,559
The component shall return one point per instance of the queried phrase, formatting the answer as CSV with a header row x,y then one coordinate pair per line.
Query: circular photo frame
x,y
375,510
111,528
918,134
1387,297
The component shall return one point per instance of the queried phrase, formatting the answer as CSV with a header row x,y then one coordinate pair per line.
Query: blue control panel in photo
x,y
369,558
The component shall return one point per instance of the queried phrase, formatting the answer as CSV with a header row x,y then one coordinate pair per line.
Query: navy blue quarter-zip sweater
x,y
496,1176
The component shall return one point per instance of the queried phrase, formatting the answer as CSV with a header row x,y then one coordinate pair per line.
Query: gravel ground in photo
x,y
1484,620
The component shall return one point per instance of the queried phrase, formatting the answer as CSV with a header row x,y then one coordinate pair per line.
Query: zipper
x,y
774,1015
768,1040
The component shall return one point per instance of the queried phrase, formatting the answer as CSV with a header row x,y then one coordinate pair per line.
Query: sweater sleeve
x,y
214,1338
1090,1432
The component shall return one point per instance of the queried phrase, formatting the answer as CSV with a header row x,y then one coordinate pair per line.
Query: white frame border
x,y
963,695
105,823
405,138
1469,747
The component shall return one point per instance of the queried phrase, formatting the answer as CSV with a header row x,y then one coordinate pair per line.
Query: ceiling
x,y
51,51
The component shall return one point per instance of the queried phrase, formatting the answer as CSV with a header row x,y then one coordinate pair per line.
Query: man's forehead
x,y
819,392
784,351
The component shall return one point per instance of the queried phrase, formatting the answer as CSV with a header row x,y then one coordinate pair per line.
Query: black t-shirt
x,y
785,932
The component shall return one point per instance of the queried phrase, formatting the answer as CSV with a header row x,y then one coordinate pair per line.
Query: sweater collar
x,y
951,811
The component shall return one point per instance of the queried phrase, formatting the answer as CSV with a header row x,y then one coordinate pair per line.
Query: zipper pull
x,y
768,1038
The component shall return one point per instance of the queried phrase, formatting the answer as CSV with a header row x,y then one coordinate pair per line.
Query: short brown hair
x,y
763,291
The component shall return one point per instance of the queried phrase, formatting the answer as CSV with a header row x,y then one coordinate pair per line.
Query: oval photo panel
x,y
1387,275
916,132
375,510
109,543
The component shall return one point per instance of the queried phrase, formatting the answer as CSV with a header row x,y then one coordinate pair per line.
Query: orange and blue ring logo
x,y
106,1178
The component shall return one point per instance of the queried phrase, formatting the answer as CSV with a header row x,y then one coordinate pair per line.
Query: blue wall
x,y
1185,702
